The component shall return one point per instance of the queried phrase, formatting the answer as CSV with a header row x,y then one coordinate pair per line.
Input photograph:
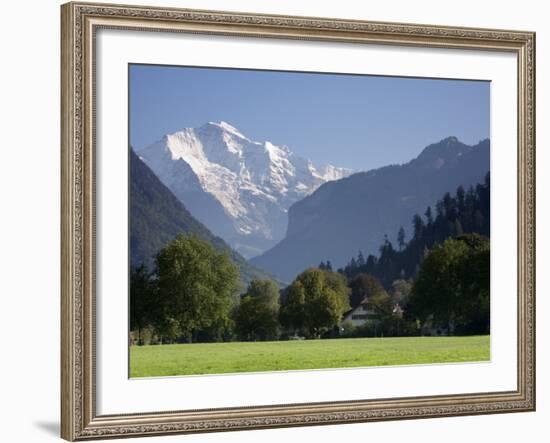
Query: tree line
x,y
446,264
465,212
193,294
438,280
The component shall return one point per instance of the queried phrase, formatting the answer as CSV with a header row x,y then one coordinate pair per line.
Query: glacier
x,y
239,188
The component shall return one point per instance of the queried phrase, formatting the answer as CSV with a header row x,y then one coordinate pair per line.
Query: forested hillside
x,y
467,211
356,212
157,217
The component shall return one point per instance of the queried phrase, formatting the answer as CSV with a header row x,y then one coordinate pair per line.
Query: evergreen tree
x,y
360,259
401,238
465,212
418,227
460,199
458,228
429,216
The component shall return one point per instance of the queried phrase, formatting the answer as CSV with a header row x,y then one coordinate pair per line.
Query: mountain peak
x,y
223,125
354,214
450,140
239,188
444,151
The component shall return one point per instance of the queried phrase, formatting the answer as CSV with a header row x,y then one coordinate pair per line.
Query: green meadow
x,y
231,357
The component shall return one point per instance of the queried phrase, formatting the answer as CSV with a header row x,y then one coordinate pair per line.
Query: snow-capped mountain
x,y
239,188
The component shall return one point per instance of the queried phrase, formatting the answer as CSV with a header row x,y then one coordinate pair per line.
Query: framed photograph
x,y
275,221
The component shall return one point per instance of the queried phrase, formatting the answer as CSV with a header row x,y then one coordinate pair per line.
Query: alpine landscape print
x,y
298,221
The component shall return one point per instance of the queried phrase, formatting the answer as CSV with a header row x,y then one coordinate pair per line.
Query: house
x,y
361,314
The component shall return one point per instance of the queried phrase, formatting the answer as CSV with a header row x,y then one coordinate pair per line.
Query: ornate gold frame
x,y
79,23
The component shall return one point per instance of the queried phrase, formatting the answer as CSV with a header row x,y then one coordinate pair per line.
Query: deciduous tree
x,y
453,285
315,301
197,286
141,300
364,287
257,316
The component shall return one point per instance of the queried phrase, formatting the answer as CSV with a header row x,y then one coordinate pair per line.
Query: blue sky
x,y
355,121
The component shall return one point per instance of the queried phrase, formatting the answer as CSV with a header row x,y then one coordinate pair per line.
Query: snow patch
x,y
255,182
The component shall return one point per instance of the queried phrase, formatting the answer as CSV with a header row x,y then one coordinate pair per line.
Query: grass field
x,y
219,358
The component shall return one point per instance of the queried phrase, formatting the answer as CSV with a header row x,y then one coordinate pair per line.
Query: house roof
x,y
364,302
348,312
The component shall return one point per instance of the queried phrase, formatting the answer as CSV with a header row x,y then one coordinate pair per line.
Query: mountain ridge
x,y
157,217
239,188
355,212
